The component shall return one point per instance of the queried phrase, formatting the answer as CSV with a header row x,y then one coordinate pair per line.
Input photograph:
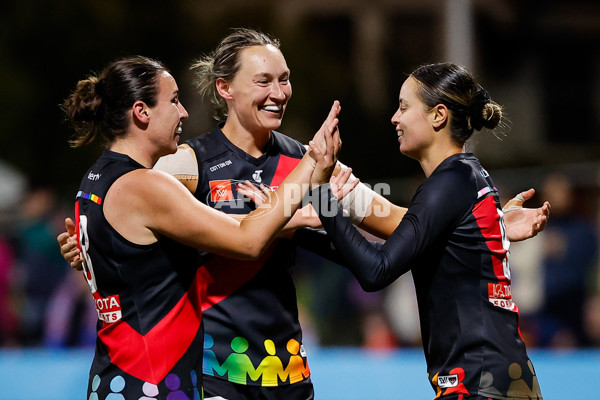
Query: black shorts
x,y
219,389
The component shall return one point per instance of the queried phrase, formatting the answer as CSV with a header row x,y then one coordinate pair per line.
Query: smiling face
x,y
258,94
413,122
167,115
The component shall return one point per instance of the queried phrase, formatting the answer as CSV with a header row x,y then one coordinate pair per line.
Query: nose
x,y
278,92
183,114
396,117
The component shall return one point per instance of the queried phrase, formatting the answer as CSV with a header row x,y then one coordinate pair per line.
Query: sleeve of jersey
x,y
435,209
317,242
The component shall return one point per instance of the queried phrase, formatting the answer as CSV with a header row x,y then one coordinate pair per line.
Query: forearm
x,y
382,218
369,210
373,266
317,242
267,220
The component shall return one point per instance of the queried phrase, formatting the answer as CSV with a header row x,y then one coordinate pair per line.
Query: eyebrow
x,y
263,74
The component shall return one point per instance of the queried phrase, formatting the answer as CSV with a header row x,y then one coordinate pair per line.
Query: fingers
x,y
546,208
70,226
342,176
333,112
545,215
62,238
526,195
77,263
345,189
315,150
257,194
339,183
69,250
328,125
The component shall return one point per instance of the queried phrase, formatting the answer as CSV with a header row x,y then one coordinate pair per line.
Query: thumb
x,y
528,194
70,226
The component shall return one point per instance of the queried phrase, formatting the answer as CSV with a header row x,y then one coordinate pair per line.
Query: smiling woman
x,y
133,222
453,240
258,94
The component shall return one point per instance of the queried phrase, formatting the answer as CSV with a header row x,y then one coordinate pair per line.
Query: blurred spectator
x,y
527,284
40,266
8,317
71,316
592,320
569,252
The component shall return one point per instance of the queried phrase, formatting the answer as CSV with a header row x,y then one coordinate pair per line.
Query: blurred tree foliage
x,y
46,46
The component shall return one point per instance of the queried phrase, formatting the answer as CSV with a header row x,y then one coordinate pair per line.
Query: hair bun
x,y
479,101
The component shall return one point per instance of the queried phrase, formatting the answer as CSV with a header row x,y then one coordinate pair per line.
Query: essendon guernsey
x,y
250,314
150,335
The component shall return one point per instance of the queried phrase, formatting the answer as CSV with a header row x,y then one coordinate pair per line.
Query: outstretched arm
x,y
524,223
377,265
151,203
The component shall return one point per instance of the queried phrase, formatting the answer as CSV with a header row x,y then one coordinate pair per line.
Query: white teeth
x,y
400,133
179,130
273,108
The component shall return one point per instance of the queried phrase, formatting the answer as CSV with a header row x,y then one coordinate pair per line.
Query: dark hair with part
x,y
224,62
99,105
452,85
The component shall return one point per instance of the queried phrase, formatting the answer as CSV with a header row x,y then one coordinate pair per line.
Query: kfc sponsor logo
x,y
221,191
448,381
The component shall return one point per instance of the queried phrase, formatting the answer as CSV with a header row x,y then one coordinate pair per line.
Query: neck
x,y
253,143
136,151
434,158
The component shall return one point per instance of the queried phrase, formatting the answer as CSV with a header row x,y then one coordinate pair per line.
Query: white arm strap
x,y
357,202
182,164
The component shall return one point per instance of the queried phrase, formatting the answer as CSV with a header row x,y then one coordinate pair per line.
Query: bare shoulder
x,y
143,186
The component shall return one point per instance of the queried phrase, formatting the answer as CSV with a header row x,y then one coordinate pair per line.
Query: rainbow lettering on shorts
x,y
89,196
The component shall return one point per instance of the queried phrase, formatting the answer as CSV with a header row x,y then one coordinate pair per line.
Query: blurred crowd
x,y
556,283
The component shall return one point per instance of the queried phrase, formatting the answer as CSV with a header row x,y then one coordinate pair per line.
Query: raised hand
x,y
339,183
327,159
524,223
319,137
258,195
68,245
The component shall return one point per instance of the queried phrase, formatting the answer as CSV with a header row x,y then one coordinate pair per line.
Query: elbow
x,y
371,286
250,253
253,249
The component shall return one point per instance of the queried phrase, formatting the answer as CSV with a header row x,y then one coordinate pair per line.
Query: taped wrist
x,y
514,204
356,203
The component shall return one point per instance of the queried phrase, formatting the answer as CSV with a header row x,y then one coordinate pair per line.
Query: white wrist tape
x,y
182,164
357,202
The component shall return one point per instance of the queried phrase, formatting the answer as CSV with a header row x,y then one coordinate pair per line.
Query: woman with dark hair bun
x,y
452,239
138,231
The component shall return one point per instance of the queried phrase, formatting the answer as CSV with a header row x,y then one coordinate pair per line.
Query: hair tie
x,y
479,101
